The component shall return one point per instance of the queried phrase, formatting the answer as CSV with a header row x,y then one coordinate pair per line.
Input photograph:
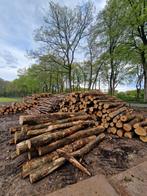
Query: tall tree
x,y
110,32
135,22
63,30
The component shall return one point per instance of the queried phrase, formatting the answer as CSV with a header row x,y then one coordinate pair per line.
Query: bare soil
x,y
111,157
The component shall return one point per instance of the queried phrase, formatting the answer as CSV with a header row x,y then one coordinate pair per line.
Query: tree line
x,y
81,49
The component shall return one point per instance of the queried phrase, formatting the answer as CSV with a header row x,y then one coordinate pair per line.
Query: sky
x,y
19,19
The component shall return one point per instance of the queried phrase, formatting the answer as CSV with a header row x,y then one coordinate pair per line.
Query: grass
x,y
130,96
8,99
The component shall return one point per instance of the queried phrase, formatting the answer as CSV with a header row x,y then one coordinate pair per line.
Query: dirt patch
x,y
112,156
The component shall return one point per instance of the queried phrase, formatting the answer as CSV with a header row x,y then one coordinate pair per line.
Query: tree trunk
x,y
145,84
144,63
69,77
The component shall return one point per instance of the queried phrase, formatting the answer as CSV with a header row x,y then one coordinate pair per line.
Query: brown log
x,y
47,138
129,126
109,105
80,134
47,168
127,117
106,125
143,138
21,147
63,126
41,118
141,131
119,111
120,132
32,164
140,124
32,154
112,124
119,124
116,118
129,135
35,127
20,136
75,118
113,130
74,162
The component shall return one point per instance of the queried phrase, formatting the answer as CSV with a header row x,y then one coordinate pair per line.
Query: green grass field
x,y
7,99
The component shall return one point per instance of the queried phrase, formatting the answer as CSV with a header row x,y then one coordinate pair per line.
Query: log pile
x,y
112,113
49,140
36,104
46,104
15,107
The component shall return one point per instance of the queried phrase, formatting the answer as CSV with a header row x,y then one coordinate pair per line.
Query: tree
x,y
109,30
135,22
63,30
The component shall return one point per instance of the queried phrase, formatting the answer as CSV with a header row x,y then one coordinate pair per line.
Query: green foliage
x,y
130,96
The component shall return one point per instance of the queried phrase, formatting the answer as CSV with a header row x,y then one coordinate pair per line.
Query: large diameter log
x,y
32,164
44,118
142,131
47,138
80,134
109,105
47,168
119,111
143,138
141,124
129,126
127,117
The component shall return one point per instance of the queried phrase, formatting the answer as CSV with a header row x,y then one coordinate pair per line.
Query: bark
x,y
47,168
69,139
47,138
143,123
74,162
119,111
21,147
45,118
129,126
33,164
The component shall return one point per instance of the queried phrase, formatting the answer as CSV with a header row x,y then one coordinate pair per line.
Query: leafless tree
x,y
62,31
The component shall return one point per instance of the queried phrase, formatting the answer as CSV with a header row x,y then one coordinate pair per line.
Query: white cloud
x,y
17,23
9,71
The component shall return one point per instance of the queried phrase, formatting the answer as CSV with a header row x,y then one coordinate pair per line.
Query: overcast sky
x,y
19,19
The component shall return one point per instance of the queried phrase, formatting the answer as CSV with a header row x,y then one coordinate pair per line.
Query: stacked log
x,y
36,104
14,108
46,105
112,113
51,140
